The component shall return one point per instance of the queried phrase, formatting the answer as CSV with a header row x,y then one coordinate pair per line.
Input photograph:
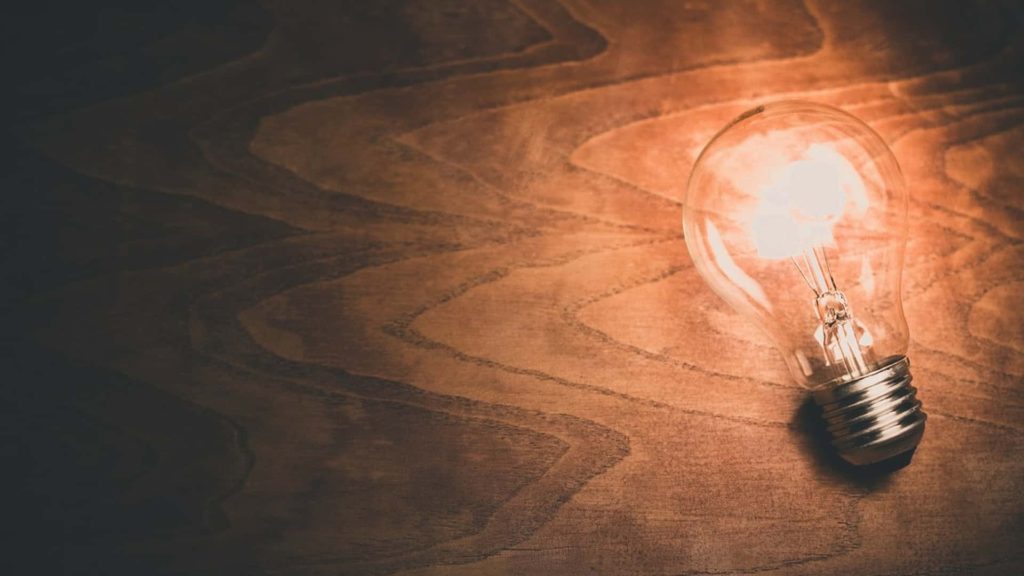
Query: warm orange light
x,y
801,203
731,270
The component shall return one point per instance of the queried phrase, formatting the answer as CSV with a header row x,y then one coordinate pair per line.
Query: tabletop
x,y
400,288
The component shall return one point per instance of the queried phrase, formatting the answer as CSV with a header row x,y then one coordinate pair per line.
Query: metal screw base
x,y
874,417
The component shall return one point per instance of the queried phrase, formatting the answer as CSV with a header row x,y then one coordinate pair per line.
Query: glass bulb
x,y
796,215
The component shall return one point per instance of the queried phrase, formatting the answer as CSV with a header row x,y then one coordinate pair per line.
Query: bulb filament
x,y
842,338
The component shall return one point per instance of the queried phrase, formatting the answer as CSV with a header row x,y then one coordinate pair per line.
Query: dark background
x,y
378,287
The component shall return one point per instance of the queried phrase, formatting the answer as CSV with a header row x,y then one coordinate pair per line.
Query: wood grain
x,y
399,288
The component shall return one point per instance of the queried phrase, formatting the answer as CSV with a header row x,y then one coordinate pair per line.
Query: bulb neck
x,y
873,417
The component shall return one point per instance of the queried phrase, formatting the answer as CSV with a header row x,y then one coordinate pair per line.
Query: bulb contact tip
x,y
875,417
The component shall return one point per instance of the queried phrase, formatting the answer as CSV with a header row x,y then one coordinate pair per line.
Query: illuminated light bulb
x,y
796,215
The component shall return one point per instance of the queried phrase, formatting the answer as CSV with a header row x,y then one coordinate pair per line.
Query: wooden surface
x,y
375,288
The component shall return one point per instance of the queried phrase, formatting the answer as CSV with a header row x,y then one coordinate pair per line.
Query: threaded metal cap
x,y
874,417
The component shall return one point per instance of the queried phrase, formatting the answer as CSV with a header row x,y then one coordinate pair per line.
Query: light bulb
x,y
796,215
